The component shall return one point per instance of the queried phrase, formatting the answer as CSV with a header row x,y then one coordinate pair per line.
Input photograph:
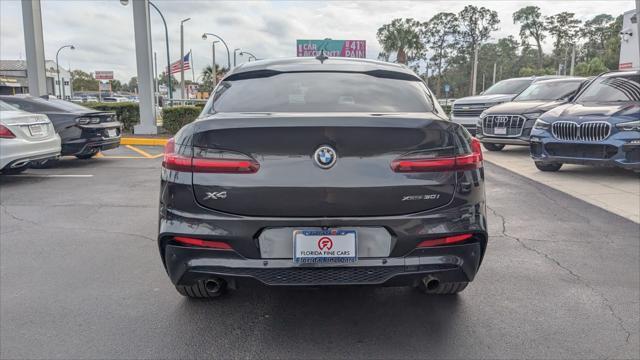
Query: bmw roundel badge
x,y
325,157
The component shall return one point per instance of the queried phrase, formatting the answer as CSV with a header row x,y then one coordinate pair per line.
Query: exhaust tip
x,y
431,283
20,164
214,285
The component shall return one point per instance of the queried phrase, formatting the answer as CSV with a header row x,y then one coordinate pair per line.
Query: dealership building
x,y
13,78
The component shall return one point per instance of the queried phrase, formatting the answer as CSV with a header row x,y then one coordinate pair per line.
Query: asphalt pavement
x,y
80,277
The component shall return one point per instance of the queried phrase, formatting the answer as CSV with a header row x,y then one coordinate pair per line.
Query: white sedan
x,y
25,138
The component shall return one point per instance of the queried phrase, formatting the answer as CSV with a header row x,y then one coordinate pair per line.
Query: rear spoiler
x,y
387,74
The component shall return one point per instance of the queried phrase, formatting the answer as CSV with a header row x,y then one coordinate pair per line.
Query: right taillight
x,y
5,133
451,163
178,162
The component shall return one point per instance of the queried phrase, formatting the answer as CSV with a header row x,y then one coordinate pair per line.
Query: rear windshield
x,y
6,107
622,88
320,92
549,90
513,86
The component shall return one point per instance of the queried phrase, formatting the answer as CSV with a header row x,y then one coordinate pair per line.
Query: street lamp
x,y
58,67
250,55
182,57
235,51
214,72
166,38
204,37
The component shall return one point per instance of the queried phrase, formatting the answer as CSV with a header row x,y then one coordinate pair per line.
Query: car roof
x,y
620,72
337,64
564,79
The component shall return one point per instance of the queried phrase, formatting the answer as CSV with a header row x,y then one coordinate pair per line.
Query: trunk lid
x,y
291,183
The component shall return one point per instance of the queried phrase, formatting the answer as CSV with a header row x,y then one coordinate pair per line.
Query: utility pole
x,y
182,57
475,70
495,65
573,58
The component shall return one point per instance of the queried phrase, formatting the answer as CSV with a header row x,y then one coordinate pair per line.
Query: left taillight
x,y
178,162
220,245
449,163
5,133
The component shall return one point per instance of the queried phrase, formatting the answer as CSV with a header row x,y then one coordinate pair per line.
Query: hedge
x,y
128,113
174,118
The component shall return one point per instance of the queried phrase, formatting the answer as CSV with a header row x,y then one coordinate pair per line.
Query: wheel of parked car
x,y
86,156
13,171
493,147
444,288
548,166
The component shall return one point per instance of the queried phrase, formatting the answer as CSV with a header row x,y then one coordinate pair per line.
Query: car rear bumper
x,y
92,145
187,266
14,152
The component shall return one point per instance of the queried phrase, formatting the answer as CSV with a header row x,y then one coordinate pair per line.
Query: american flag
x,y
175,67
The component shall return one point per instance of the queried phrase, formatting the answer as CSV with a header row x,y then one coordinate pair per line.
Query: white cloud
x,y
103,30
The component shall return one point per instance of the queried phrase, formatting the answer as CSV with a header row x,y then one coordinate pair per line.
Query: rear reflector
x,y
444,241
5,133
461,162
203,243
173,161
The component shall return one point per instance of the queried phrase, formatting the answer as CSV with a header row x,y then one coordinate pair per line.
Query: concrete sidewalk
x,y
615,190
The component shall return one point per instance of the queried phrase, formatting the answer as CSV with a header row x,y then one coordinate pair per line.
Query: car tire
x,y
548,166
493,147
86,156
444,288
14,171
199,290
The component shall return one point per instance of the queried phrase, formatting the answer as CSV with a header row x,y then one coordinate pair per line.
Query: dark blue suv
x,y
600,127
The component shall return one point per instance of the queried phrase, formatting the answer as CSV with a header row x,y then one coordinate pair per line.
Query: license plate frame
x,y
312,246
37,130
500,131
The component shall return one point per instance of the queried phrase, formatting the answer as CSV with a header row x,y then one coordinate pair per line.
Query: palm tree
x,y
401,36
207,77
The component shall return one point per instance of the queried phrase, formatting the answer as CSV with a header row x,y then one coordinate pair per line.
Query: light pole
x,y
250,55
204,37
58,67
214,72
235,51
182,57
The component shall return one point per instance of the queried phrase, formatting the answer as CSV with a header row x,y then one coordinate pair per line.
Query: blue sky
x,y
102,31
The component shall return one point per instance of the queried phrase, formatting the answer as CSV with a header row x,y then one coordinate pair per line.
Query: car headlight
x,y
483,114
533,115
83,120
541,125
629,126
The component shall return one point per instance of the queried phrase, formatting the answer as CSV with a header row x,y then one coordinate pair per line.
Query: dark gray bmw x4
x,y
322,172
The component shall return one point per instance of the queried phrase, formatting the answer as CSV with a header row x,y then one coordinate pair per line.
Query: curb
x,y
143,141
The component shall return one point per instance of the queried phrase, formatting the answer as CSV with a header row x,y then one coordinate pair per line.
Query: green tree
x,y
594,67
83,81
476,26
532,25
565,30
401,36
207,84
441,35
133,84
116,85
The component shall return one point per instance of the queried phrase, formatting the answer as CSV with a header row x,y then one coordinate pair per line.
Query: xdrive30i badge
x,y
325,156
421,197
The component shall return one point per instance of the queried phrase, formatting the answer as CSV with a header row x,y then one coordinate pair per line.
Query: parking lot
x,y
80,276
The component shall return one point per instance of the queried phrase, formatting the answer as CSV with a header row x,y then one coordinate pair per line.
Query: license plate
x,y
111,132
500,131
317,246
36,130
